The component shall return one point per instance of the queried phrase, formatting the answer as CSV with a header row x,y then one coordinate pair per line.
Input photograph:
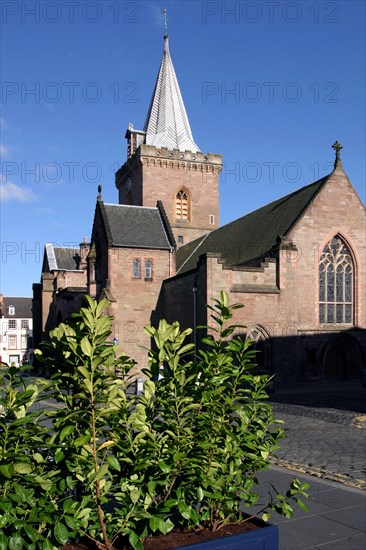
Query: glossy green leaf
x,y
61,533
16,542
4,542
7,470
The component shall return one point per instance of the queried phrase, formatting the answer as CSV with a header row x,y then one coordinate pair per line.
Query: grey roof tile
x,y
134,226
67,258
23,307
62,258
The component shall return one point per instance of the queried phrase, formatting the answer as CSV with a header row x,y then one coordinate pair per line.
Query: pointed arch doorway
x,y
335,364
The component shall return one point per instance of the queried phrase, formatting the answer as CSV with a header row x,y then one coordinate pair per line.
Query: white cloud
x,y
3,123
45,211
12,192
4,151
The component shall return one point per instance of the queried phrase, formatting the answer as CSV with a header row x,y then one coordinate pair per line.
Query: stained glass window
x,y
335,283
148,269
136,271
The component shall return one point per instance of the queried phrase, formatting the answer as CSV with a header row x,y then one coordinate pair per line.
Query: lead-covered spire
x,y
167,123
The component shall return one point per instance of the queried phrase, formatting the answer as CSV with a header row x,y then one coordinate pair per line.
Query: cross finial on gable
x,y
337,148
99,193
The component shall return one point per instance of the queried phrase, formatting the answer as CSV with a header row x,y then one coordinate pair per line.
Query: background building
x,y
16,330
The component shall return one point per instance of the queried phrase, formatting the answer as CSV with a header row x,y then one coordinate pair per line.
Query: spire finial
x,y
99,193
337,148
165,23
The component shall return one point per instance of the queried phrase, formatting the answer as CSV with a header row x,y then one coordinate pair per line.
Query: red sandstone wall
x,y
135,299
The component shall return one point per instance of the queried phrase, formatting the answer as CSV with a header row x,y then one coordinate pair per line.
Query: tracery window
x,y
136,269
336,283
261,345
148,269
182,205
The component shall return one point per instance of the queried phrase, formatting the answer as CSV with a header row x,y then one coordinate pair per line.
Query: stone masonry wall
x,y
160,173
135,299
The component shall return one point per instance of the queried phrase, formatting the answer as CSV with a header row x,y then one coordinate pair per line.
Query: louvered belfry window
x,y
336,283
182,205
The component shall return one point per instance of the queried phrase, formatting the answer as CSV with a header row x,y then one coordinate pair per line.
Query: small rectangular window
x,y
12,342
136,270
148,269
25,324
180,239
12,324
24,342
212,219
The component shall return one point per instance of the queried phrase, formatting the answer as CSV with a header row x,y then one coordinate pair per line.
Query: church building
x,y
296,264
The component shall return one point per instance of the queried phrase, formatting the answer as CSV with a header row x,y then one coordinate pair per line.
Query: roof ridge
x,y
166,224
105,221
193,251
130,206
23,297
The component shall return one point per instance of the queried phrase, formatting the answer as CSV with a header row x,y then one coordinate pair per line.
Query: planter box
x,y
265,538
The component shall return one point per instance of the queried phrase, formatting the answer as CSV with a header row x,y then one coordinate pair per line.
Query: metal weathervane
x,y
165,22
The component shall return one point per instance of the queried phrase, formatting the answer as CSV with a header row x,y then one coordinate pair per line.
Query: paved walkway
x,y
326,438
336,517
326,442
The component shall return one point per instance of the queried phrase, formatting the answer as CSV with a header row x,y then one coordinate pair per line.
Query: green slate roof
x,y
249,239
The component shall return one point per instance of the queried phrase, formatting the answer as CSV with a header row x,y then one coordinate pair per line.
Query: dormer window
x,y
11,310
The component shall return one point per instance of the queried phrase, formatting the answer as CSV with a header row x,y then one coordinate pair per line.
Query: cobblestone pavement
x,y
329,443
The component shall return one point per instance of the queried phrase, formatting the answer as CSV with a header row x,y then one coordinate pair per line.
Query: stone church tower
x,y
164,163
296,264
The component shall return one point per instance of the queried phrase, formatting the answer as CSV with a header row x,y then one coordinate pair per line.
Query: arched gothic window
x,y
182,205
148,269
336,283
136,269
261,345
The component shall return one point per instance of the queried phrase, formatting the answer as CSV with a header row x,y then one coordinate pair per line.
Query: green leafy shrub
x,y
27,483
182,455
205,428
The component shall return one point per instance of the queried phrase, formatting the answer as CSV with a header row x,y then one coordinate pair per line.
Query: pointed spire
x,y
337,148
167,123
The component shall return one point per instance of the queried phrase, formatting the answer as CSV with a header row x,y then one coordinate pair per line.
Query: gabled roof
x,y
249,239
134,226
167,123
22,307
61,258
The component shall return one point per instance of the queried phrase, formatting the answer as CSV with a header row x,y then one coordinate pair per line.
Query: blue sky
x,y
269,85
